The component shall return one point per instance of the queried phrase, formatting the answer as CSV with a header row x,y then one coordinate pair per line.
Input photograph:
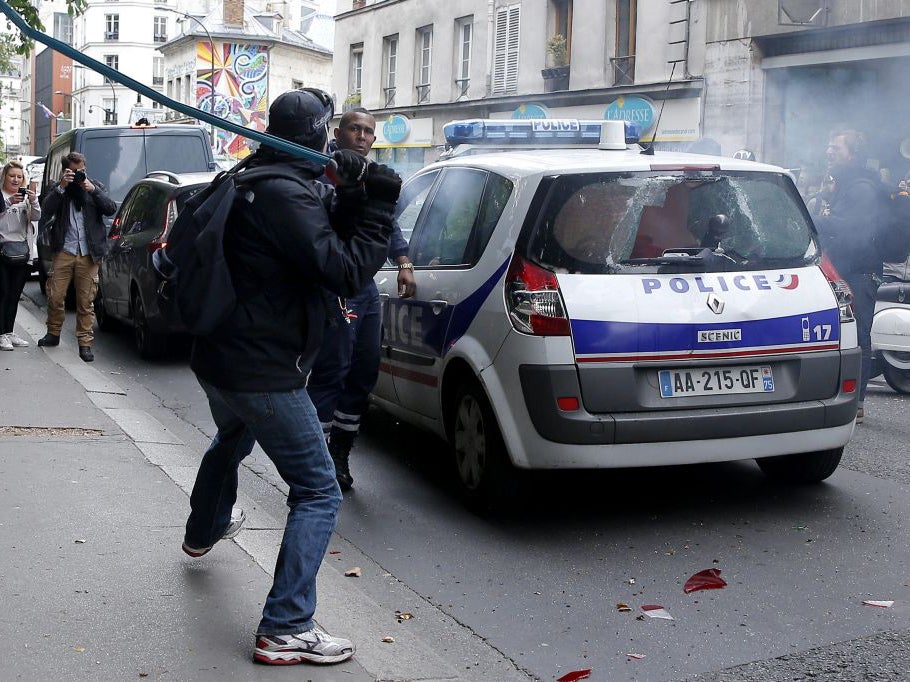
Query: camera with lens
x,y
79,177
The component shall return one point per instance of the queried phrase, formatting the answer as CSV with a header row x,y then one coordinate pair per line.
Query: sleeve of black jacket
x,y
847,234
343,266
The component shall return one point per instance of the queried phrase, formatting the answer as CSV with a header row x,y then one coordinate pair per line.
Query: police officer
x,y
347,367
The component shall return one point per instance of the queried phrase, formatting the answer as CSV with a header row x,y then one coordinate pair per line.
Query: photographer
x,y
19,208
74,212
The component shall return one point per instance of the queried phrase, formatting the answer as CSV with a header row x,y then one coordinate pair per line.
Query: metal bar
x,y
154,95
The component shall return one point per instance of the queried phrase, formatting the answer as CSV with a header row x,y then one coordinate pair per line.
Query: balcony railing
x,y
389,96
623,70
423,93
462,84
112,35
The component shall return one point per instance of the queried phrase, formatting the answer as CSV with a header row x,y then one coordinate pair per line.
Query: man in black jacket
x,y
282,249
73,211
846,229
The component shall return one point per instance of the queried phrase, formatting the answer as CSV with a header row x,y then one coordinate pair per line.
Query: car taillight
x,y
160,241
533,299
841,289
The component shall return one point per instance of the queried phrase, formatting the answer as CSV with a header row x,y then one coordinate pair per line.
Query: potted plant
x,y
351,102
556,76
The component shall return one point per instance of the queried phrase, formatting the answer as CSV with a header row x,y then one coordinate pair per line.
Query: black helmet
x,y
301,116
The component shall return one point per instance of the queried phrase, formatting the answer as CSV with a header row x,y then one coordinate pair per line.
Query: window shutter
x,y
505,51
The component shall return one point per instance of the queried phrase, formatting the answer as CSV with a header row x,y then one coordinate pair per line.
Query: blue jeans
x,y
347,366
863,287
285,425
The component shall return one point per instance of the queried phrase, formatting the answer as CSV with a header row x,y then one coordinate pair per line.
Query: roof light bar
x,y
544,131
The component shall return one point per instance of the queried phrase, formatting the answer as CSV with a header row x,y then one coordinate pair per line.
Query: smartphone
x,y
23,191
79,177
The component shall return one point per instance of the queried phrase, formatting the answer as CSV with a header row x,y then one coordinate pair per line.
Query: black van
x,y
120,156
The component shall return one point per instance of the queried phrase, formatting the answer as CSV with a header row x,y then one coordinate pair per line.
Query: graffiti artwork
x,y
240,94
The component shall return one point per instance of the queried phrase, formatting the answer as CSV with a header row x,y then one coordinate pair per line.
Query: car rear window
x,y
609,222
119,162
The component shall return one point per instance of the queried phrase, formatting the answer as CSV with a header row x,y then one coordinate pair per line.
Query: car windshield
x,y
632,222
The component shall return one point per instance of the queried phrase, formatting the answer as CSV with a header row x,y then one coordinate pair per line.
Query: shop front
x,y
405,144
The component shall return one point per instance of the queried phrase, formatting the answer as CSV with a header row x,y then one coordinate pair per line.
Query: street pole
x,y
212,54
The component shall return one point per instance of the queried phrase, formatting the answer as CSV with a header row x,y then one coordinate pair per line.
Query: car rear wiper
x,y
672,256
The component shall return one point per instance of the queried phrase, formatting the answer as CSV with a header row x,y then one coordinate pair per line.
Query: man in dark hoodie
x,y
282,249
846,229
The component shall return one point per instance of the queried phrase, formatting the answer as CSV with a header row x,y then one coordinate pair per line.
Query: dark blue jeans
x,y
347,366
863,287
286,427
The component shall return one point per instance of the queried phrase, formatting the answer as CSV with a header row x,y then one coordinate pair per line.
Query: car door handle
x,y
438,305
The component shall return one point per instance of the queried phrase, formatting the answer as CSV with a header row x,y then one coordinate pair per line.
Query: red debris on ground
x,y
709,579
575,675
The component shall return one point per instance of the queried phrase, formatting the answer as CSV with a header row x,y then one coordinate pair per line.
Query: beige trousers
x,y
83,271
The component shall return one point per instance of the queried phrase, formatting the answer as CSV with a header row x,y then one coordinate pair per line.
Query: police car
x,y
583,303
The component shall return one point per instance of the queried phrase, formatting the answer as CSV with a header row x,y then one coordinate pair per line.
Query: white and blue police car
x,y
583,303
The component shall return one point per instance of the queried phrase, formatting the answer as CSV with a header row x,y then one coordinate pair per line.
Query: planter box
x,y
555,79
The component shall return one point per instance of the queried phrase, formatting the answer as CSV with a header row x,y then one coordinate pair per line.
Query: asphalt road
x,y
541,583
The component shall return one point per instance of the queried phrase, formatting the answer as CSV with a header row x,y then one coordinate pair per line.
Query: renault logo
x,y
715,304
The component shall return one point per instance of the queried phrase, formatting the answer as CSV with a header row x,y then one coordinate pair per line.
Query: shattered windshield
x,y
609,222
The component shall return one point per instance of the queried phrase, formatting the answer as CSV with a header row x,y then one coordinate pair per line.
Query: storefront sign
x,y
638,110
399,131
396,129
530,110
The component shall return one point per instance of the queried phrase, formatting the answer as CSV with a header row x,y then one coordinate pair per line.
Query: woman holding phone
x,y
20,207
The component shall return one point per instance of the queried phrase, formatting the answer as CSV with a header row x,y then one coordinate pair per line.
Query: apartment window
x,y
112,27
390,68
505,50
464,36
110,112
624,62
157,70
562,21
356,76
160,29
424,63
112,61
63,27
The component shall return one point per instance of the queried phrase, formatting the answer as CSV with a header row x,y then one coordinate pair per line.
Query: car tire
x,y
805,467
898,379
481,463
106,323
149,344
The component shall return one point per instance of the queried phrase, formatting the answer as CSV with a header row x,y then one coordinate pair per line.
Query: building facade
x,y
418,65
257,55
782,75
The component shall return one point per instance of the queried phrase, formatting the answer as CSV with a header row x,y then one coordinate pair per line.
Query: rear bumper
x,y
542,384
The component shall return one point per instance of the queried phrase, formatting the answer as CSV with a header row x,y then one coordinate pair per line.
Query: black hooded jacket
x,y
847,233
282,249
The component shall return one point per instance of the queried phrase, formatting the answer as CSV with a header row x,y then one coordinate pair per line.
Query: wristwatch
x,y
406,266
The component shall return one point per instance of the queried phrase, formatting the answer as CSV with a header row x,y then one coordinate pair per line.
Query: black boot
x,y
49,340
340,454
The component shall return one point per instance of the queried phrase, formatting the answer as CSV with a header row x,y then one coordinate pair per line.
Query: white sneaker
x,y
5,343
17,340
312,646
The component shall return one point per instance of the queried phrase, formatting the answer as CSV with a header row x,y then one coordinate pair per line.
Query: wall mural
x,y
241,91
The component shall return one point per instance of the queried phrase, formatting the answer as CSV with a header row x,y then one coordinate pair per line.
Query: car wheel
x,y
481,461
149,344
105,322
805,467
898,379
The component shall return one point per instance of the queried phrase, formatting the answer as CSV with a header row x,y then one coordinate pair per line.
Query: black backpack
x,y
196,292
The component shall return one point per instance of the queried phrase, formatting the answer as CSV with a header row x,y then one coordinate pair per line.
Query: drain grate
x,y
49,431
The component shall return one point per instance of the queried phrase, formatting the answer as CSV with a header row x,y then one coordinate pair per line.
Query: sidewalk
x,y
93,500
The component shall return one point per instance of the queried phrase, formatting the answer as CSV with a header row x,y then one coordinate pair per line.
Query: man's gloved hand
x,y
382,183
350,167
